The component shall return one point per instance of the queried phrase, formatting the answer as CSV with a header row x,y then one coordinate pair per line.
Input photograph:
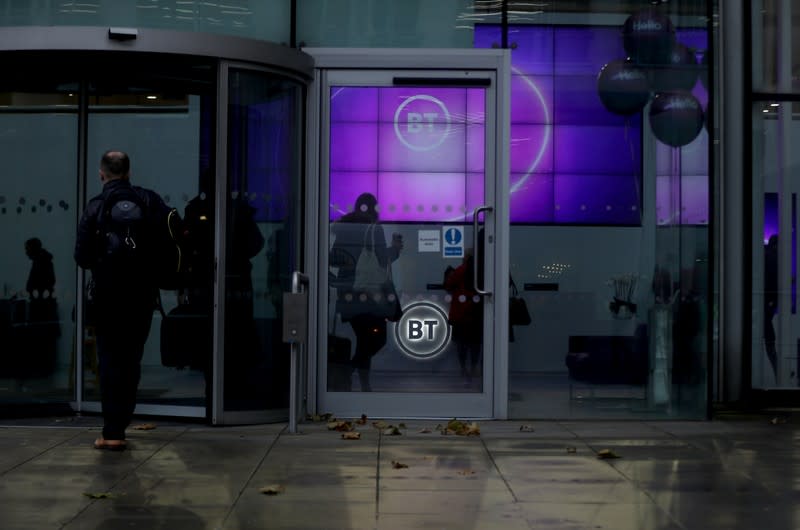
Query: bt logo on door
x,y
422,122
423,331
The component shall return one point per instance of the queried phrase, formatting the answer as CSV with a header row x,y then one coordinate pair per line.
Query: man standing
x,y
112,242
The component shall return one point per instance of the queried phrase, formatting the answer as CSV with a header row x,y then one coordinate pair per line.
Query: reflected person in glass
x,y
355,233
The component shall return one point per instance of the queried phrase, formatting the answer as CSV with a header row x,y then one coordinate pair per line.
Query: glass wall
x,y
391,24
775,332
609,209
255,19
38,204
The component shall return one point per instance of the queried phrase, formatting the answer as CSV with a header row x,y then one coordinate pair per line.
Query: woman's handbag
x,y
518,314
373,289
370,275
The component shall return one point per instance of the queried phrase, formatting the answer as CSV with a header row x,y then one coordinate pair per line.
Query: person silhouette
x,y
41,278
351,233
771,300
43,328
465,315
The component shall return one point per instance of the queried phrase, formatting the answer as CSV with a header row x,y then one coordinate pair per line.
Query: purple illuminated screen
x,y
420,151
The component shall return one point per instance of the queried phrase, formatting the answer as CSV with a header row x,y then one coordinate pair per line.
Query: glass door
x,y
408,172
38,198
161,111
260,201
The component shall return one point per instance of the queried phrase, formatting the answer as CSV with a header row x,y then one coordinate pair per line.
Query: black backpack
x,y
141,240
122,229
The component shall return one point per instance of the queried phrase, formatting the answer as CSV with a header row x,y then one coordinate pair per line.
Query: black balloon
x,y
676,118
623,88
648,37
679,73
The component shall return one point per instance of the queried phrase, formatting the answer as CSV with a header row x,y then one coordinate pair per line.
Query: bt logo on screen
x,y
423,331
422,122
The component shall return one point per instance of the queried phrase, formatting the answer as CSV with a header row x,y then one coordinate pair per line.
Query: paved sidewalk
x,y
725,474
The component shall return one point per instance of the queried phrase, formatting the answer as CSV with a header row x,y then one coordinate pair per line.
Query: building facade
x,y
622,167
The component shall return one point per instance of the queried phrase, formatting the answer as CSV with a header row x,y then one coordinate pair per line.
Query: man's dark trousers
x,y
122,330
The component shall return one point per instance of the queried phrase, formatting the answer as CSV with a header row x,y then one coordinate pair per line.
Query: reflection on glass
x,y
38,123
262,227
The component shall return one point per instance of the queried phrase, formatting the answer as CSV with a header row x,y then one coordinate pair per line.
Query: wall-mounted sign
x,y
423,332
428,240
453,237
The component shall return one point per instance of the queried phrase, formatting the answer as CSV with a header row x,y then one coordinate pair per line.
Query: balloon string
x,y
637,176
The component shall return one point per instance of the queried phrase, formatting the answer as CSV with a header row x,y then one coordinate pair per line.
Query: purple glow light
x,y
421,152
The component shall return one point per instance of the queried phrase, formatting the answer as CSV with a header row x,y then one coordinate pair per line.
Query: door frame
x,y
326,59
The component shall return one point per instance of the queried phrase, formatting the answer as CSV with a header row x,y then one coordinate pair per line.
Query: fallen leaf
x,y
466,472
272,489
398,465
571,449
363,420
351,435
425,430
392,431
320,417
777,421
455,425
99,495
526,428
145,427
472,430
380,424
461,428
607,454
341,426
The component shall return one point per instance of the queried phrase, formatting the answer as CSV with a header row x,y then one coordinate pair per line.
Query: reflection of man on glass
x,y
351,234
42,277
43,328
771,300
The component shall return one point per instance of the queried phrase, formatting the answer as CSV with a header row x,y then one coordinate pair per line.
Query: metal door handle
x,y
475,254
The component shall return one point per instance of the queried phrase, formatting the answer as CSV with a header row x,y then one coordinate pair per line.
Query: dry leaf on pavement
x,y
398,465
144,427
272,489
607,454
351,435
99,495
526,428
341,426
